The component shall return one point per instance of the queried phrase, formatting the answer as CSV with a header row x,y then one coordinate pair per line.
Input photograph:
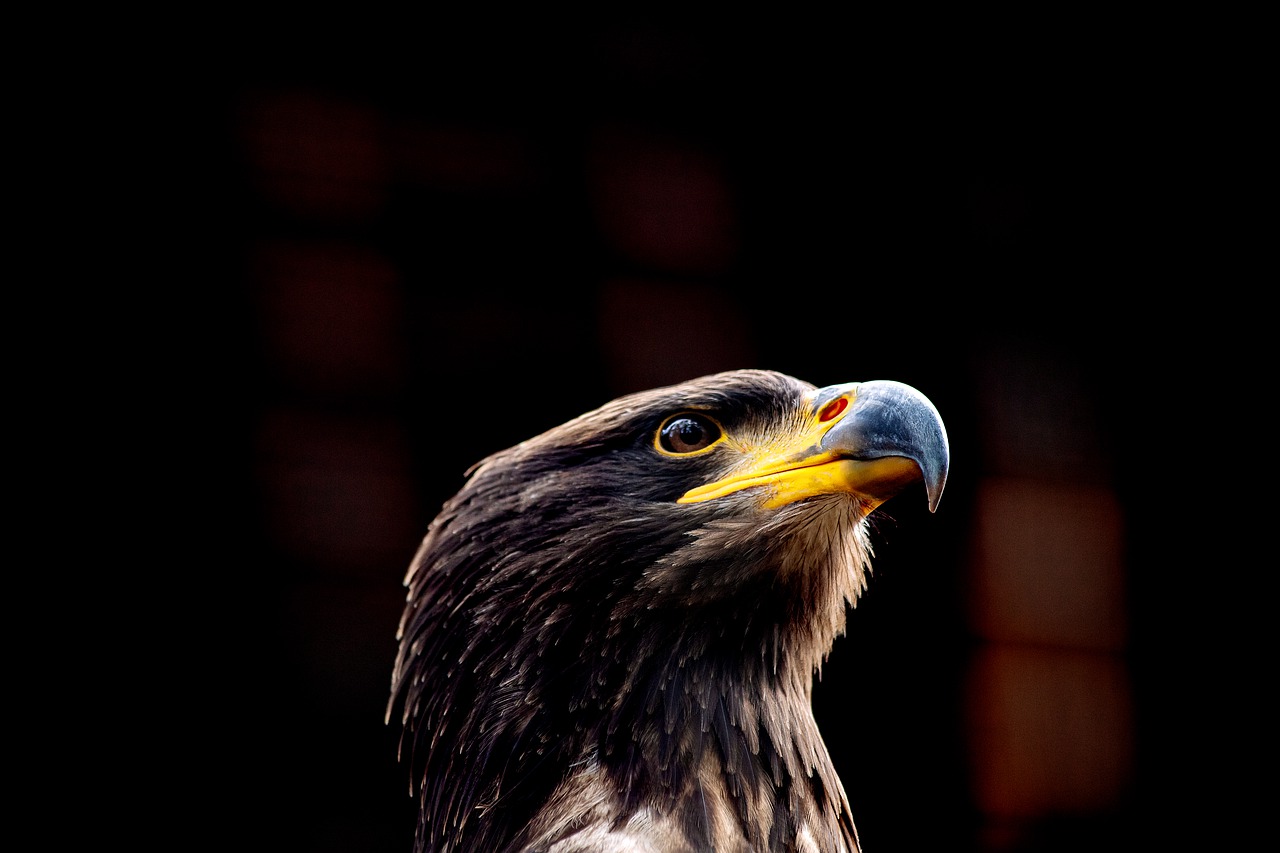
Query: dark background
x,y
399,248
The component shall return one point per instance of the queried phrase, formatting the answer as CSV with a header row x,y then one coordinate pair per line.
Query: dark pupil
x,y
687,434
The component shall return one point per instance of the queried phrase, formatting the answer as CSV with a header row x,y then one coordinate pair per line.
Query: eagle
x,y
610,633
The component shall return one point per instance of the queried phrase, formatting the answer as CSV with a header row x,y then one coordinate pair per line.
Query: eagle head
x,y
611,631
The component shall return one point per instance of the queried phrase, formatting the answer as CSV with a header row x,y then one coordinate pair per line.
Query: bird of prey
x,y
611,632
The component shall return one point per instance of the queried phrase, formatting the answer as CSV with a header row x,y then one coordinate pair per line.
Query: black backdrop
x,y
901,212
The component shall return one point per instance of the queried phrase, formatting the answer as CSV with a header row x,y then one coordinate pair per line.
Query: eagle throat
x,y
714,679
694,691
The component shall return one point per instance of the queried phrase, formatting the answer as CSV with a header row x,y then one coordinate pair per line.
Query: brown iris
x,y
688,433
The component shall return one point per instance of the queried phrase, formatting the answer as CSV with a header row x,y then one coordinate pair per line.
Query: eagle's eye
x,y
688,433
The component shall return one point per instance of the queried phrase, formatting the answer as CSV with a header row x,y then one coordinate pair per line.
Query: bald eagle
x,y
611,632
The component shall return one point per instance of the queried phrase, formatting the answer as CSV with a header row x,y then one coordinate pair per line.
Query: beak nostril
x,y
833,409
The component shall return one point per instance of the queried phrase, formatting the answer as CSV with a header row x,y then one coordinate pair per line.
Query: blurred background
x,y
414,246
